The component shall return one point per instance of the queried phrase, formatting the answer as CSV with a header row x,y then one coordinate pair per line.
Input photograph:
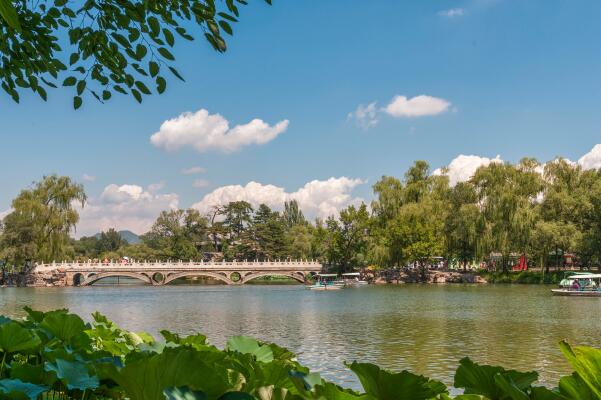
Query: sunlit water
x,y
423,328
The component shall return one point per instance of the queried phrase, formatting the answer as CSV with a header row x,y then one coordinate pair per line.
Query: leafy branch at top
x,y
114,46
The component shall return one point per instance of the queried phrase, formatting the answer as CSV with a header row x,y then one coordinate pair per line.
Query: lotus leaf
x,y
385,385
17,389
247,345
14,338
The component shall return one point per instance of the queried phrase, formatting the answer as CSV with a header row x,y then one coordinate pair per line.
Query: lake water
x,y
422,328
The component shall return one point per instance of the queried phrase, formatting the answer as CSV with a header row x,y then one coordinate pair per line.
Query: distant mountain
x,y
128,236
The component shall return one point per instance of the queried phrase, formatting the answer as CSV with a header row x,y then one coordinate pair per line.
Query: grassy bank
x,y
524,277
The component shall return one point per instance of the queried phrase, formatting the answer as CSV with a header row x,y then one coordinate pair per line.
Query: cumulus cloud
x,y
592,159
452,13
463,167
194,170
88,178
316,198
200,183
418,106
205,132
366,116
124,207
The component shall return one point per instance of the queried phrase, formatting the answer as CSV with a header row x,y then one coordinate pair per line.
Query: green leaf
x,y
81,86
542,393
161,84
153,68
70,81
480,379
141,51
32,373
573,387
586,361
509,388
42,92
384,385
183,393
169,37
15,338
226,27
73,58
62,325
330,391
236,396
176,73
77,102
142,87
73,373
9,14
154,26
106,95
176,367
165,53
17,389
247,345
136,95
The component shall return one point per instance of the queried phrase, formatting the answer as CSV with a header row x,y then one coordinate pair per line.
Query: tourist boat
x,y
353,279
326,282
583,285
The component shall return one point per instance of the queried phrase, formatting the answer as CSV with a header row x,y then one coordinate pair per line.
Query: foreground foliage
x,y
113,47
52,354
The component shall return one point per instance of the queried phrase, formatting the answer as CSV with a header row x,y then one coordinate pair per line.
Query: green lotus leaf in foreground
x,y
55,354
15,338
17,389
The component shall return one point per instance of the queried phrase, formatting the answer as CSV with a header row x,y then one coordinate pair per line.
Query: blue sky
x,y
517,78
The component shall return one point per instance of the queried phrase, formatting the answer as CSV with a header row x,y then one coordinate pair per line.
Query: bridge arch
x,y
298,276
186,274
92,278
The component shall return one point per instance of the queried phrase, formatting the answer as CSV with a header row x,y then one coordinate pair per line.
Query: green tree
x,y
43,216
269,232
110,241
170,238
113,46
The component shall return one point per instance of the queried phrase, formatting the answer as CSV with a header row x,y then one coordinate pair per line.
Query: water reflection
x,y
426,329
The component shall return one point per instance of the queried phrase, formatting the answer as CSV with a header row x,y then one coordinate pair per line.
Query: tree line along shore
x,y
549,214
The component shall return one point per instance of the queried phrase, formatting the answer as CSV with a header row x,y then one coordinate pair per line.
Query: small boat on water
x,y
326,282
580,285
353,279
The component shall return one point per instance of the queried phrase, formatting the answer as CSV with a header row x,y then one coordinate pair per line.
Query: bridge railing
x,y
132,264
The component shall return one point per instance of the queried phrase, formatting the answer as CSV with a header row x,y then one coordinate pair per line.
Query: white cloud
x,y
124,207
205,132
418,106
366,116
452,13
463,167
194,170
592,159
315,198
200,183
5,213
88,178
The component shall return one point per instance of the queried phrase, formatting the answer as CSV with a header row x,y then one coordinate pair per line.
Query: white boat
x,y
326,282
353,279
580,285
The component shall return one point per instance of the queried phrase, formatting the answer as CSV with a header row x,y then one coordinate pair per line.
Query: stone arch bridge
x,y
162,273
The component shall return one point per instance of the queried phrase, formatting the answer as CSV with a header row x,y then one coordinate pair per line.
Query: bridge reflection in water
x,y
162,273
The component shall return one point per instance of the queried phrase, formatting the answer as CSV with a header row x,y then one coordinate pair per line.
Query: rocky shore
x,y
431,277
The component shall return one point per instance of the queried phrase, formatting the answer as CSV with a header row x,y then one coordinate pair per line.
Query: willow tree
x,y
507,195
43,216
113,46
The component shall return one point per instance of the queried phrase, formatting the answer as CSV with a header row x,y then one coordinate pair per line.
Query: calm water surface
x,y
425,329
